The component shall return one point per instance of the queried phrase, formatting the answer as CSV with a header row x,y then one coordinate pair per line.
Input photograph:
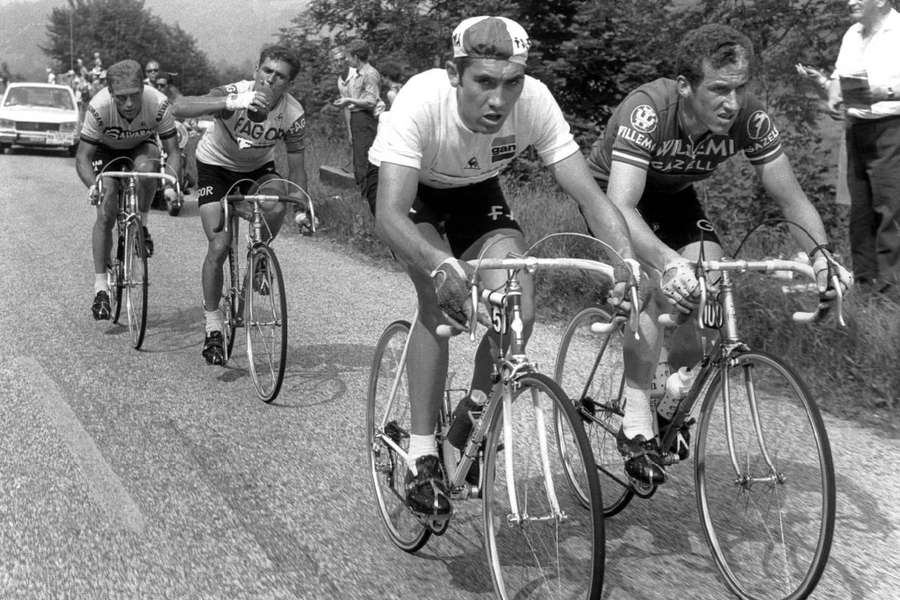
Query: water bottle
x,y
677,386
468,409
258,116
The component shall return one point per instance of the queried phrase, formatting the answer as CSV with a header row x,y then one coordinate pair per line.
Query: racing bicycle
x,y
534,470
763,470
126,272
253,288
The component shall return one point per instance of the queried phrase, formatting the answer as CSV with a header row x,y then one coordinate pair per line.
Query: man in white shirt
x,y
436,158
866,80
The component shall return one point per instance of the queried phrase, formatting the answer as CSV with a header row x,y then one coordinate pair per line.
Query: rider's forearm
x,y
84,170
187,107
297,169
649,249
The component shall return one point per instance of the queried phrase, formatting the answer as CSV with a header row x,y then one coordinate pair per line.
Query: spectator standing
x,y
867,81
359,96
393,78
151,70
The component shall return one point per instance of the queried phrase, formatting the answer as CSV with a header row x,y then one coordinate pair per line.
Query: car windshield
x,y
39,96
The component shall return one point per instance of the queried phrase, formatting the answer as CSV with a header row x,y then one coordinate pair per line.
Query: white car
x,y
39,114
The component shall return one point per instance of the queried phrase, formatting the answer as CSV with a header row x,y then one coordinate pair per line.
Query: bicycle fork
x,y
743,477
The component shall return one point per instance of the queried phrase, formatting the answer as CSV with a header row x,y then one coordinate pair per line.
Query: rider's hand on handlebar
x,y
170,194
626,275
680,285
451,286
825,267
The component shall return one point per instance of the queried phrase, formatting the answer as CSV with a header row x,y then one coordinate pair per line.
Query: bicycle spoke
x,y
135,282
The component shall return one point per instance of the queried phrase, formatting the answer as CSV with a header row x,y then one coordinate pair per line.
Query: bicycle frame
x,y
506,320
719,358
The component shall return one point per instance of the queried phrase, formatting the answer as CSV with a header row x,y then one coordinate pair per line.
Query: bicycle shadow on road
x,y
315,373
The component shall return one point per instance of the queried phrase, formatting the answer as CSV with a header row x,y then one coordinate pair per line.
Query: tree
x,y
120,29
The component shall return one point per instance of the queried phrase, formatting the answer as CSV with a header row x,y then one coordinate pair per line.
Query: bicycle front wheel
x,y
764,479
590,370
265,321
541,542
388,426
135,282
115,272
231,292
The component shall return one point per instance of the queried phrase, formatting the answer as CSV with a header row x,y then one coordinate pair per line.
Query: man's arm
x,y
603,218
397,186
781,184
626,186
173,157
297,168
217,101
83,159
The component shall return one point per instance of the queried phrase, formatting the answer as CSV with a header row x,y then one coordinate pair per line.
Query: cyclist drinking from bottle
x,y
436,157
251,118
122,121
665,135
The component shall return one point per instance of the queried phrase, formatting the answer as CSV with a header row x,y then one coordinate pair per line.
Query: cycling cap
x,y
491,37
126,77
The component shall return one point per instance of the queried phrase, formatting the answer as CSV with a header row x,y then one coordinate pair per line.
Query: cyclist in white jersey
x,y
122,121
251,118
436,158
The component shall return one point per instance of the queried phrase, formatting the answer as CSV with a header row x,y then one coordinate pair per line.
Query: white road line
x,y
104,486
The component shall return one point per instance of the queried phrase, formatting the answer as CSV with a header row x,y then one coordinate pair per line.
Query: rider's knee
x,y
216,251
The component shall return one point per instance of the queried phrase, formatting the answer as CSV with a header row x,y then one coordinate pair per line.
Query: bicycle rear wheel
x,y
231,292
388,421
549,545
135,282
590,370
769,523
265,321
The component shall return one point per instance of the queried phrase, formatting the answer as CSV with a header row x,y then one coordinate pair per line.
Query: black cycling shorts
x,y
677,219
113,159
214,182
461,214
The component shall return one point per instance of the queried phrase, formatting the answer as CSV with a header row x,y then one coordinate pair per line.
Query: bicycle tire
x,y
136,282
265,322
387,466
115,273
782,558
548,553
231,293
590,371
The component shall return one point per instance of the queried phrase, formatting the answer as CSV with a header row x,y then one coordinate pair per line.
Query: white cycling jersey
x,y
104,126
239,144
423,130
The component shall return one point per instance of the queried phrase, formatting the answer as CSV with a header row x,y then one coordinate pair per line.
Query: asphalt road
x,y
127,474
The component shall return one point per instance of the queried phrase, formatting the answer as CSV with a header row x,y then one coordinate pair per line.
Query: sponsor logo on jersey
x,y
96,114
162,110
118,133
759,126
626,133
249,133
644,119
503,148
473,163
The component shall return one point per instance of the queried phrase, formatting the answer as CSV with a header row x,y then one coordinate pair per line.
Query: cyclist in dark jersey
x,y
664,136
